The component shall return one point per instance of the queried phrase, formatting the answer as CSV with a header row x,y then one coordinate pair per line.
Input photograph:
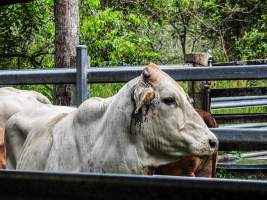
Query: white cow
x,y
148,123
13,100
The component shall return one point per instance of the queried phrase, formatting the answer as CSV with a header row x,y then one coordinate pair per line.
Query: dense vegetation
x,y
127,32
136,32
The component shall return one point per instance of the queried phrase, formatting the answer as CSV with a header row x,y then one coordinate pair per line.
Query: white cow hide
x,y
148,123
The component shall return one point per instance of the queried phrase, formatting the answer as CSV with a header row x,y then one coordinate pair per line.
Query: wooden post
x,y
199,91
81,74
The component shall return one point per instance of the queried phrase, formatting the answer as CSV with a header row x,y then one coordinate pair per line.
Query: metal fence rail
x,y
241,138
17,185
243,168
252,91
261,125
240,118
242,101
124,74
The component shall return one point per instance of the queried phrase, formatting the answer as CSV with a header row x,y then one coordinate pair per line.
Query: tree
x,y
229,21
66,41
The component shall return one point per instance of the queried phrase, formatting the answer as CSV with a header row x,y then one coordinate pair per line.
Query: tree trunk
x,y
66,41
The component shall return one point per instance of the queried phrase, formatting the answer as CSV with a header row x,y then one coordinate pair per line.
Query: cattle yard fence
x,y
21,185
82,75
242,139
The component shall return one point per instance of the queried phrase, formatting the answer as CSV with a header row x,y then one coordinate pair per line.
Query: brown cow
x,y
208,119
2,149
188,166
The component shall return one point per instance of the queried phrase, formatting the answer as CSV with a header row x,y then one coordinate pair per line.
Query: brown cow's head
x,y
2,149
207,118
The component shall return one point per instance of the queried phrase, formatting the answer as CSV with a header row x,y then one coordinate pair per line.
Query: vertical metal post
x,y
81,74
199,90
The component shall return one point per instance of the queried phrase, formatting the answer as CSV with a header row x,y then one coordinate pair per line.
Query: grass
x,y
227,175
105,90
252,109
238,84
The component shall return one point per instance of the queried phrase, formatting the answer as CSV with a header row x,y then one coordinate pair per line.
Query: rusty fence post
x,y
199,91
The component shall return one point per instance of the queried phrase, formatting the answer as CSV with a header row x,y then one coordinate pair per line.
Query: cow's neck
x,y
108,147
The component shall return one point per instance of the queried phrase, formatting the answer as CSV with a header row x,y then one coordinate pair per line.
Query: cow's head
x,y
164,124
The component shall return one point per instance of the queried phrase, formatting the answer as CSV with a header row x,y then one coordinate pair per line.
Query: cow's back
x,y
13,100
27,122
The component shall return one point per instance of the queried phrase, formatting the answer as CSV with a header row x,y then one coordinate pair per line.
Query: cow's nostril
x,y
212,143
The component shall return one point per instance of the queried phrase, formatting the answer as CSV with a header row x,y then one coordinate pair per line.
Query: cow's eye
x,y
169,100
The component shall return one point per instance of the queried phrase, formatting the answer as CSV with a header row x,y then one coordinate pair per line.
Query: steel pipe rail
x,y
261,125
18,185
239,98
238,101
241,138
240,118
124,74
252,91
243,168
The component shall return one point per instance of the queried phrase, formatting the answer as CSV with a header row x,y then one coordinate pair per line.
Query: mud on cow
x,y
149,123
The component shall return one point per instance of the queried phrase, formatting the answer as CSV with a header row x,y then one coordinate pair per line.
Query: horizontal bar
x,y
40,185
38,76
243,168
241,138
240,118
182,73
239,98
238,92
248,125
253,154
245,62
124,74
238,103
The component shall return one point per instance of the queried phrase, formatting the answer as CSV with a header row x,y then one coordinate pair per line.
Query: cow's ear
x,y
143,96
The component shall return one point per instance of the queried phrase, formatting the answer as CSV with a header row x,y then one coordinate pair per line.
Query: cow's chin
x,y
203,166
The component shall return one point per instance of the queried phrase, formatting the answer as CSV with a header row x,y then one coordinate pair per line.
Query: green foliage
x,y
115,38
138,32
252,109
235,26
228,175
44,89
105,90
26,35
253,44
